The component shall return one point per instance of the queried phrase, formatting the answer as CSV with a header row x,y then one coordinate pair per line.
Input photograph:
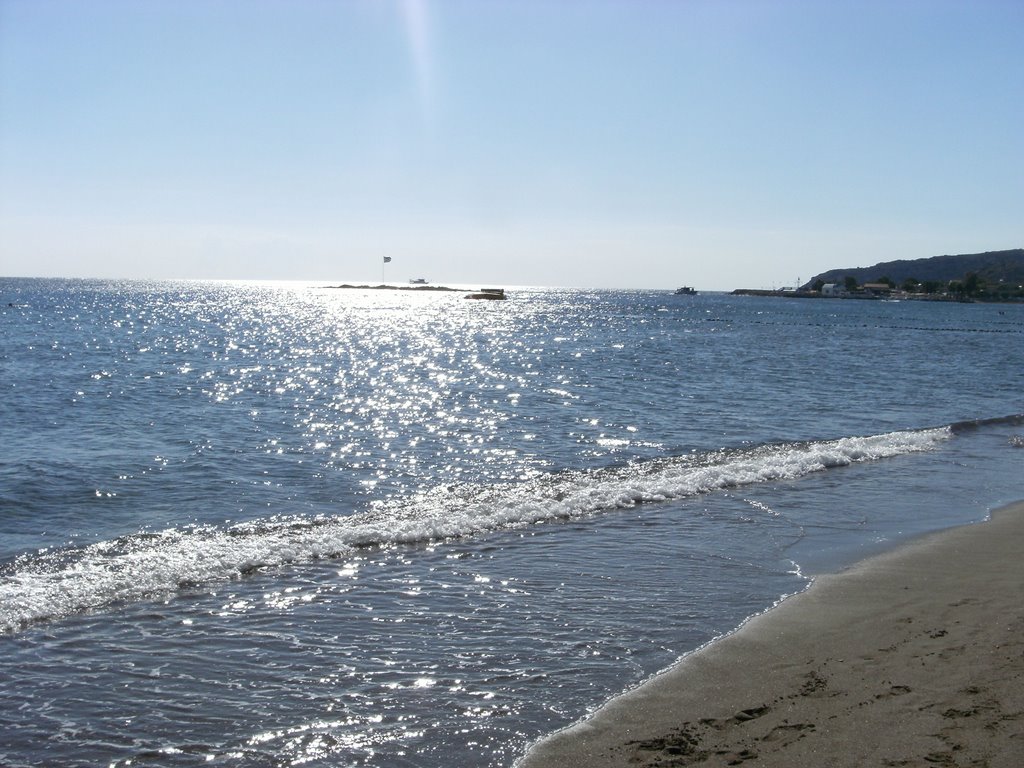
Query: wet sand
x,y
911,658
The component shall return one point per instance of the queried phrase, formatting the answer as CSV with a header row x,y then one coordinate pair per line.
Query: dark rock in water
x,y
492,294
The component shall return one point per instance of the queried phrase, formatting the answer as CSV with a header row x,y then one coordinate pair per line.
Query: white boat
x,y
686,291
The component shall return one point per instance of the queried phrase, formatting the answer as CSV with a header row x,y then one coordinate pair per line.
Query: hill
x,y
991,267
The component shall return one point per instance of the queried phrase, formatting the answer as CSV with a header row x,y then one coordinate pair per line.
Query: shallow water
x,y
281,524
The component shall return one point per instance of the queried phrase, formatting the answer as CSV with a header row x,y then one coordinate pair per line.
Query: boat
x,y
492,294
686,291
418,281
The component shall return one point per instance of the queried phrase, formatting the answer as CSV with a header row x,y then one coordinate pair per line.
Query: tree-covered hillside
x,y
991,269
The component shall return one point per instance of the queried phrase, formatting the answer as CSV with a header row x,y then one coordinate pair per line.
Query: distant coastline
x,y
873,295
385,287
993,276
789,293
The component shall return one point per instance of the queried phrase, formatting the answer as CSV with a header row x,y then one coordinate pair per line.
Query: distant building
x,y
883,289
832,289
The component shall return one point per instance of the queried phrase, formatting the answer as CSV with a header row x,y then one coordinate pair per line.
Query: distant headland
x,y
989,276
492,294
386,287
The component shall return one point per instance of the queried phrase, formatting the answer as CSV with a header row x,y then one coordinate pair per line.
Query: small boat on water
x,y
686,291
418,281
491,294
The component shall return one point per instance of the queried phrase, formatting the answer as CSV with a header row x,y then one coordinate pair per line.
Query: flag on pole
x,y
387,259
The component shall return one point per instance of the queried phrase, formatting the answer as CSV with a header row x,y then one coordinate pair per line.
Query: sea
x,y
284,524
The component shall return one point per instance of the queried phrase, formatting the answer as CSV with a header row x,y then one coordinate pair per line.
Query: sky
x,y
589,143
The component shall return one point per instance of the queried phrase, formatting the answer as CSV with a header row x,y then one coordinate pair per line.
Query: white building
x,y
832,289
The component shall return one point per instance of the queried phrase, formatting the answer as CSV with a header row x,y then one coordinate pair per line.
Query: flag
x,y
387,259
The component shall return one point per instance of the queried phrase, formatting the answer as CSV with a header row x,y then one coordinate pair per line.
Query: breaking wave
x,y
52,585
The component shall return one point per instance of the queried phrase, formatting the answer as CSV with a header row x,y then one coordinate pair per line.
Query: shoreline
x,y
910,657
898,296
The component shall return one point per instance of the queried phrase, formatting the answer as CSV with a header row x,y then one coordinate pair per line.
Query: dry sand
x,y
912,658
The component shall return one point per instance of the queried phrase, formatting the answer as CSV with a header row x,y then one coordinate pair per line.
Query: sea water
x,y
289,524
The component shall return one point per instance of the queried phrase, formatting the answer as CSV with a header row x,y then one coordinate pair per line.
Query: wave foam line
x,y
148,565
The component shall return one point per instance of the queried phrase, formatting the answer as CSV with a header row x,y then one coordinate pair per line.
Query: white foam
x,y
150,565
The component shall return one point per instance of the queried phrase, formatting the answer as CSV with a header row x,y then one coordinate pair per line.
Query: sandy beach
x,y
911,658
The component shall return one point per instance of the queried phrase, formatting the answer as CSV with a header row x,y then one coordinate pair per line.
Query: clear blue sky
x,y
604,143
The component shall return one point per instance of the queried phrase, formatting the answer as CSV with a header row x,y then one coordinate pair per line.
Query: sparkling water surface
x,y
286,524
